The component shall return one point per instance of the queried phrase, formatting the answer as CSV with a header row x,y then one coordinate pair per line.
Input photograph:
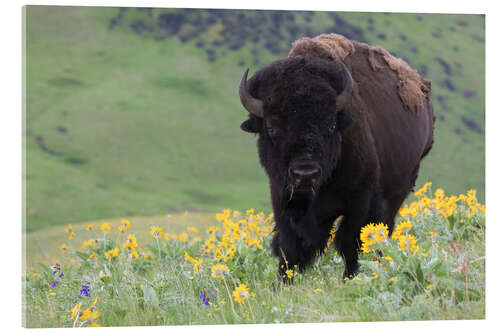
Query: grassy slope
x,y
44,245
153,127
146,142
443,280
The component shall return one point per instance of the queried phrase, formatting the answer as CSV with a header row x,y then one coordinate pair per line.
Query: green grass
x,y
442,279
119,124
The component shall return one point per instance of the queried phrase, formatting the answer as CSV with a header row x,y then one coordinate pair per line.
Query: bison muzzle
x,y
342,128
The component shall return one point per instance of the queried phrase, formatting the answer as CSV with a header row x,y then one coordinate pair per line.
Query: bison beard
x,y
342,129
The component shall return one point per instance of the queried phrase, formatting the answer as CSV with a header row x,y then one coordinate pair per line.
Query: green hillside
x,y
135,112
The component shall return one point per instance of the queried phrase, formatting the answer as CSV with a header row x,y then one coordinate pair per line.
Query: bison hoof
x,y
349,274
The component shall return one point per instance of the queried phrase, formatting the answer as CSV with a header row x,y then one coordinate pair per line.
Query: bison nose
x,y
305,171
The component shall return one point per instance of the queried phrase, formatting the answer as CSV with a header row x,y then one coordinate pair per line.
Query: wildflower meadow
x,y
431,267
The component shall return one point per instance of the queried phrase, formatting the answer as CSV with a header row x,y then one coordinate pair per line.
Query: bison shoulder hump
x,y
412,89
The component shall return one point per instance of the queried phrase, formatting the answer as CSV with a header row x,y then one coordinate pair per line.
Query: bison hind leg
x,y
392,208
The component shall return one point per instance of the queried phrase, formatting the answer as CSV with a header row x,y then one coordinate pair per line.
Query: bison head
x,y
297,107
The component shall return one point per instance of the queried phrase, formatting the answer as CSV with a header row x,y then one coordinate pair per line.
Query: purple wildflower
x,y
204,298
56,269
85,291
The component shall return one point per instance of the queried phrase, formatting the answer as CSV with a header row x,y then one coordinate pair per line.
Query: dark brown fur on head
x,y
300,119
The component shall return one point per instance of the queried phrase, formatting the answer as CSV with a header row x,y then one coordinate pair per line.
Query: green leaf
x,y
419,273
82,255
473,294
451,221
150,295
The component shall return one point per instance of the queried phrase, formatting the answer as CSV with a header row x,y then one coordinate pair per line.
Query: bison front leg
x,y
292,253
347,236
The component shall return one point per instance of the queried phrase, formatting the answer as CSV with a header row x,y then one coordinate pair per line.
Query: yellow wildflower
x,y
381,232
197,263
388,258
131,243
212,230
183,237
332,236
105,227
134,254
69,228
230,253
126,223
368,237
194,230
87,243
156,232
423,189
394,279
371,234
71,236
220,271
76,311
439,193
64,247
288,273
318,290
408,242
89,227
112,253
218,254
90,313
241,293
166,236
402,228
375,275
432,233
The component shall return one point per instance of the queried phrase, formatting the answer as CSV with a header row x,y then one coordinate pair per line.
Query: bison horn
x,y
345,96
252,104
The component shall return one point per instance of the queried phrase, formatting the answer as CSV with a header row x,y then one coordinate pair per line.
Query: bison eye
x,y
331,129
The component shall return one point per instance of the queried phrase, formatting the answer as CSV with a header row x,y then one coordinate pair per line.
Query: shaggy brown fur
x,y
411,88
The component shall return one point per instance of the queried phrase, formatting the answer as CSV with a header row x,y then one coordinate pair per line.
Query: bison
x,y
342,128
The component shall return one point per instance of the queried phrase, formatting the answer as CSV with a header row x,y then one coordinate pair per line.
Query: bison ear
x,y
252,125
343,120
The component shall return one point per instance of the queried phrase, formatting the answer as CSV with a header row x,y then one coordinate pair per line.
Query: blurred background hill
x,y
135,111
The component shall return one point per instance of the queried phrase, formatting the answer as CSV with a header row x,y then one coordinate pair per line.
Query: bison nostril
x,y
305,171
